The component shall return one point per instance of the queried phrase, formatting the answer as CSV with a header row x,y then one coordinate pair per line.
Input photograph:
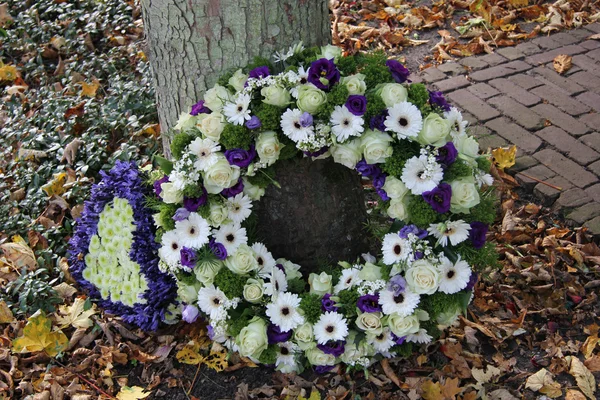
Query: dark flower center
x,y
380,337
297,125
260,261
330,329
450,274
174,246
284,351
230,237
192,231
397,249
349,281
403,121
303,80
216,301
285,311
240,108
399,298
346,122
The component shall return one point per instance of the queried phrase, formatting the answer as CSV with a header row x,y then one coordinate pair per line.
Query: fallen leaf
x,y
501,394
65,290
70,151
585,380
89,89
75,315
190,354
56,185
504,157
38,336
593,364
132,393
450,388
5,17
431,390
574,395
217,359
6,315
562,63
18,254
389,372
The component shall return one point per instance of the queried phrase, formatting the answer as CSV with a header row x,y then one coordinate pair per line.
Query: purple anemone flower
x,y
398,340
323,74
323,369
478,233
357,104
439,198
472,281
327,304
447,154
234,190
306,120
335,348
275,335
369,303
240,157
317,153
438,99
378,183
399,72
200,108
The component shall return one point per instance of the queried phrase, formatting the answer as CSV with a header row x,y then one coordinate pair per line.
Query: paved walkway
x,y
514,96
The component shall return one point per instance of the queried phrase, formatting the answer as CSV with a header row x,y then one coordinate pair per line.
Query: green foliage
x,y
421,213
479,259
347,65
165,216
458,169
385,271
336,97
230,283
259,62
269,355
310,304
224,79
439,302
403,151
193,191
375,105
373,66
296,285
484,164
30,292
418,94
485,211
236,137
404,350
269,115
289,150
263,177
348,299
179,143
239,321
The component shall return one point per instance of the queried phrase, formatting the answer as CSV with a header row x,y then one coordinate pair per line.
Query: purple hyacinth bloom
x,y
190,313
398,340
335,348
218,249
477,234
306,120
357,104
397,284
275,335
369,303
323,69
378,183
259,72
472,281
192,204
323,369
234,190
181,214
240,157
399,72
368,170
157,183
439,198
378,121
188,257
200,108
447,154
327,304
415,230
253,123
317,153
438,99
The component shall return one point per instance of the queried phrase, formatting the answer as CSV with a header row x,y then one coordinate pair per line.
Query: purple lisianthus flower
x,y
357,104
323,74
327,304
447,154
418,255
253,123
378,121
378,183
438,99
281,267
368,170
192,204
472,281
317,153
323,369
399,72
306,120
397,284
477,234
211,332
369,303
275,335
218,249
439,198
408,229
200,108
234,190
259,72
240,157
188,257
190,313
157,183
181,214
335,348
398,340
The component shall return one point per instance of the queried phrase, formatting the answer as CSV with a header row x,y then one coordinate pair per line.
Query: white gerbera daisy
x,y
205,151
382,342
211,301
331,326
454,277
302,77
458,124
292,128
287,354
404,119
420,175
457,231
277,283
403,304
283,312
237,113
481,178
394,249
348,279
420,337
345,124
193,231
264,258
240,207
231,236
170,249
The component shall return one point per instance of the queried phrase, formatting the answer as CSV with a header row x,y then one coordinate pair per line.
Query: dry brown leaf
x,y
501,394
450,388
585,380
6,315
389,372
562,63
89,89
574,395
5,17
590,344
593,364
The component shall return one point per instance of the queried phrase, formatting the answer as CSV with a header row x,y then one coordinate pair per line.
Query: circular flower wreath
x,y
113,254
362,111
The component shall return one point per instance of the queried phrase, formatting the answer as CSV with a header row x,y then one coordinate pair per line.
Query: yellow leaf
x,y
190,354
56,185
8,73
583,376
504,157
552,390
132,393
519,3
432,391
38,336
89,89
537,381
483,8
217,360
314,395
450,388
574,395
18,254
75,315
590,344
562,63
6,315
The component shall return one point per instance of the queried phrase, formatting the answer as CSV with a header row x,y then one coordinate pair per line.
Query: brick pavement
x,y
515,96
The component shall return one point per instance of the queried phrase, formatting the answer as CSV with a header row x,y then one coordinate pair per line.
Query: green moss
x,y
230,283
404,350
336,97
263,178
238,323
236,137
484,212
431,327
311,306
269,355
259,62
403,151
458,169
421,213
373,67
375,106
347,65
348,299
269,115
296,285
484,164
166,213
418,94
186,278
479,259
439,302
179,143
193,191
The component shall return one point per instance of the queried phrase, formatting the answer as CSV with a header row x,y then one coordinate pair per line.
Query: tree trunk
x,y
192,42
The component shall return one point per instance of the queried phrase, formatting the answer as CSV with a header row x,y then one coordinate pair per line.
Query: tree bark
x,y
190,43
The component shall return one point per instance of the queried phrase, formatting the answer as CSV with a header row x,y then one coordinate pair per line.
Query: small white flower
x,y
481,178
211,301
420,337
231,236
193,231
237,113
404,119
345,124
205,151
421,175
170,249
283,312
287,354
394,249
455,231
240,208
403,304
292,128
454,277
348,279
382,342
330,326
264,258
277,283
456,119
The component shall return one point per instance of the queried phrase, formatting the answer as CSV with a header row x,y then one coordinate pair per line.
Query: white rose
x,y
220,175
310,98
355,84
370,272
464,195
215,98
188,293
253,191
276,95
243,261
395,188
347,154
370,322
320,284
423,277
238,80
402,326
218,214
254,290
397,209
448,317
185,121
206,271
392,93
467,146
330,52
375,146
169,194
435,131
268,147
317,357
211,125
292,271
252,340
303,335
